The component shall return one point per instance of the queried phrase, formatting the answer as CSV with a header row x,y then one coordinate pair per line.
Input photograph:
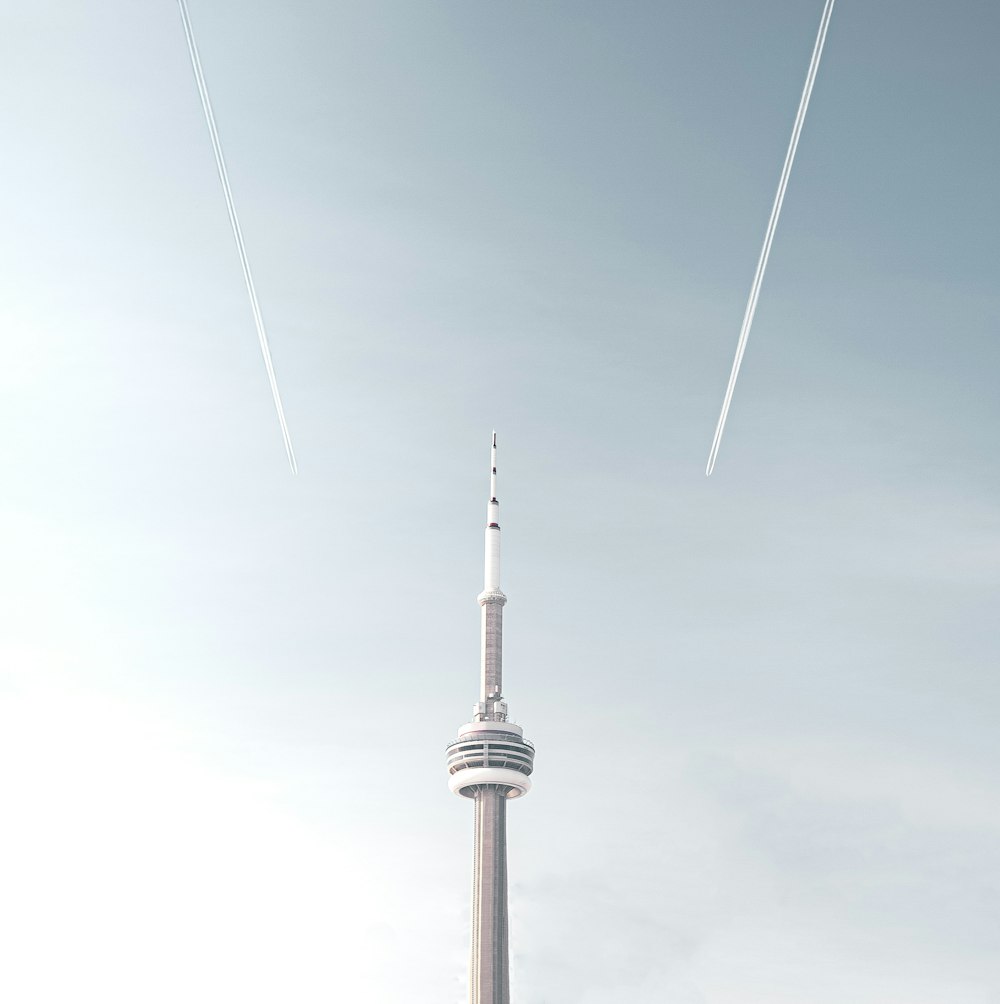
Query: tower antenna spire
x,y
491,576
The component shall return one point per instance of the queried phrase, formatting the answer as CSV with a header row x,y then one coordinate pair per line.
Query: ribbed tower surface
x,y
490,762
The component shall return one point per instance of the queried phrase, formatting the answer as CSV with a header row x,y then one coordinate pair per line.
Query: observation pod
x,y
490,753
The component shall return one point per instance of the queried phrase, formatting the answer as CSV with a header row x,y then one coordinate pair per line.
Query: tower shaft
x,y
489,980
490,762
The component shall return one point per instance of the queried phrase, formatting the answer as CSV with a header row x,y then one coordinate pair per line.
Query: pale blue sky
x,y
226,691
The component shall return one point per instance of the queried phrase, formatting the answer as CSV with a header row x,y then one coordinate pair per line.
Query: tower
x,y
489,763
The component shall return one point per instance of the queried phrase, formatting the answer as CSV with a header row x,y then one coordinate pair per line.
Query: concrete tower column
x,y
490,964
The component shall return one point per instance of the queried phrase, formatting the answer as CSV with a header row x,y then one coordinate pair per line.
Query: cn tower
x,y
490,762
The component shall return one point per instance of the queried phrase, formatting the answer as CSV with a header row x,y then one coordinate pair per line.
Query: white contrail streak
x,y
769,235
220,162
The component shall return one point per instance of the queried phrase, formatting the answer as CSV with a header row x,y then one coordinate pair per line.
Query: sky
x,y
764,703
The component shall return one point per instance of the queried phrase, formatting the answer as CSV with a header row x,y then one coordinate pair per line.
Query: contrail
x,y
220,162
769,235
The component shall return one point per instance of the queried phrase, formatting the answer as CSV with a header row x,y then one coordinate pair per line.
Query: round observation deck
x,y
490,754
